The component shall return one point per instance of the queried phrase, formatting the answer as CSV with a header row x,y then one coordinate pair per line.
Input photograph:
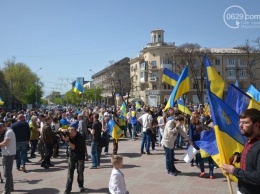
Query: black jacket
x,y
249,179
79,152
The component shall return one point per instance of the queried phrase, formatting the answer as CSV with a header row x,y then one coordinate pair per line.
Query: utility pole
x,y
95,88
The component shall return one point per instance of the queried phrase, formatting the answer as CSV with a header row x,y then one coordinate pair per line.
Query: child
x,y
117,182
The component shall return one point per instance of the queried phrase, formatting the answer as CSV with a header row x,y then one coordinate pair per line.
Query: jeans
x,y
133,131
72,162
21,151
95,154
179,141
146,139
169,156
138,127
129,126
8,168
153,139
211,165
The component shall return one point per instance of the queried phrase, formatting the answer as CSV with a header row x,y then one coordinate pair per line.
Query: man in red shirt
x,y
248,174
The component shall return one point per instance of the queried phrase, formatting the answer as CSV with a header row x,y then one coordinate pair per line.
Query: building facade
x,y
147,68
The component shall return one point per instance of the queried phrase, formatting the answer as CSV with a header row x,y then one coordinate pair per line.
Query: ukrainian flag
x,y
137,105
114,130
208,145
214,82
226,125
78,88
182,107
182,86
123,109
253,92
169,77
1,102
239,100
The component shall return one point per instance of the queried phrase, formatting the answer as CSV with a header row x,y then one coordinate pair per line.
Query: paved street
x,y
143,174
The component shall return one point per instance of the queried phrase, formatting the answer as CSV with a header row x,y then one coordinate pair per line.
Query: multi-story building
x,y
147,68
113,80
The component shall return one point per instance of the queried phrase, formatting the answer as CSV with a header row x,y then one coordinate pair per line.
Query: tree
x,y
23,82
118,79
192,54
251,50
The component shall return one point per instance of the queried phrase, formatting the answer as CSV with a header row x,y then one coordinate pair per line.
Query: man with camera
x,y
76,143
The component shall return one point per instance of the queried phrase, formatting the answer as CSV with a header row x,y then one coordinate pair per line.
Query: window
x,y
154,87
194,86
164,86
154,38
242,73
169,87
231,61
159,38
142,75
153,63
231,73
154,74
217,62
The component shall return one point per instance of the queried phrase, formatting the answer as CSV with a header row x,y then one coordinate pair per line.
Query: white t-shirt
x,y
144,120
10,148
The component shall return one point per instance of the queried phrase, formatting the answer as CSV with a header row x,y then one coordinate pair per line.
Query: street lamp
x,y
95,88
36,87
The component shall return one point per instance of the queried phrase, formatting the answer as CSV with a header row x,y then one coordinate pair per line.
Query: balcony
x,y
153,79
168,66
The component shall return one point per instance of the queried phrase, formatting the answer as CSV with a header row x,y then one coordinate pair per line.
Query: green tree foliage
x,y
23,82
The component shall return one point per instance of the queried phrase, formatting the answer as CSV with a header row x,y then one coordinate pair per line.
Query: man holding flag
x,y
248,174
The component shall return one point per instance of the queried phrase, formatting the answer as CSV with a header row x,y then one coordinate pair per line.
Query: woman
x,y
34,136
195,129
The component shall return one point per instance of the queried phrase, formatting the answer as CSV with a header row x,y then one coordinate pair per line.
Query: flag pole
x,y
229,185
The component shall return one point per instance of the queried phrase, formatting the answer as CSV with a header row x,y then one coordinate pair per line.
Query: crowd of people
x,y
44,132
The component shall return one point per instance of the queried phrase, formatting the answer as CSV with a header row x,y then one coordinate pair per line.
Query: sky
x,y
64,39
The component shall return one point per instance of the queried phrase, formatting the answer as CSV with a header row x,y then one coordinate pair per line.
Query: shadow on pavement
x,y
39,191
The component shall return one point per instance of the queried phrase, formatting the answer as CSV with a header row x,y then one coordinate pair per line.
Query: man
x,y
8,147
82,129
22,134
95,138
76,143
146,121
248,174
48,139
42,119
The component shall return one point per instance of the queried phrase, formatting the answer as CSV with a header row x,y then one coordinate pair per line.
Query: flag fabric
x,y
214,82
78,88
206,109
137,105
239,100
169,77
253,92
208,145
228,136
1,102
114,130
237,84
123,109
182,107
182,86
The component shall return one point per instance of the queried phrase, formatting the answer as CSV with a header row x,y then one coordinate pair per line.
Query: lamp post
x,y
36,88
95,88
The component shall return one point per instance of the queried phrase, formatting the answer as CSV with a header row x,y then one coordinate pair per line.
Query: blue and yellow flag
x,y
237,84
208,145
1,102
215,83
226,125
78,88
123,109
182,107
239,101
253,92
182,86
137,105
169,77
114,130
